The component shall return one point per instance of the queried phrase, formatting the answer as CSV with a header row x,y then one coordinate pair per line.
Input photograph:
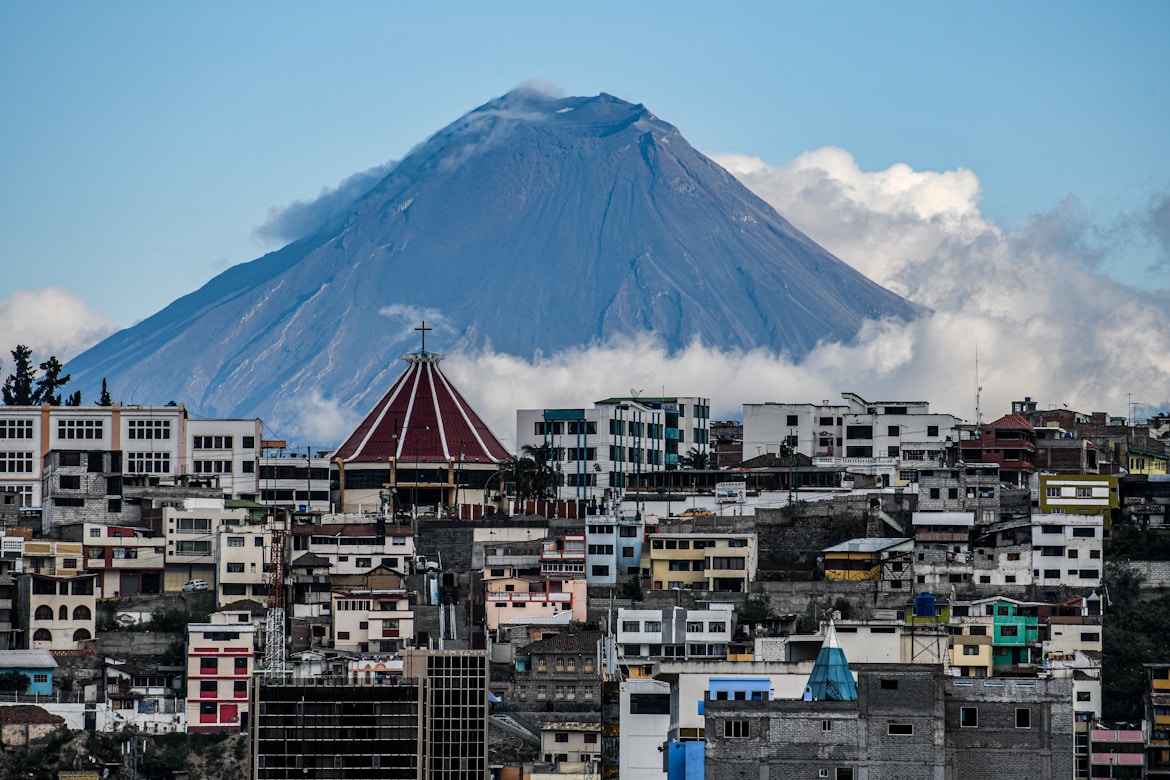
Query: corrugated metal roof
x,y
27,659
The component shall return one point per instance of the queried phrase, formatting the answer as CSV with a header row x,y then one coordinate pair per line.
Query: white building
x,y
242,563
599,452
1067,550
157,445
613,546
372,620
675,632
645,721
191,534
219,670
353,547
876,437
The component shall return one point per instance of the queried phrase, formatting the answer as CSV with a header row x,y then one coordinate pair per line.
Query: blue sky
x,y
149,140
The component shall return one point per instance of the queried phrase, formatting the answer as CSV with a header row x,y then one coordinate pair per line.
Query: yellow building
x,y
696,561
1077,494
1147,462
861,559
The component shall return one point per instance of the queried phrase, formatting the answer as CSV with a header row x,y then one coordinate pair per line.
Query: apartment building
x,y
560,673
428,721
56,612
192,535
613,546
353,547
602,451
219,671
112,448
571,742
128,561
712,562
372,620
242,562
1067,550
542,579
889,437
675,632
1078,494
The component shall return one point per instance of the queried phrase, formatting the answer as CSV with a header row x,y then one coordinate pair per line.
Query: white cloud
x,y
323,419
52,321
1044,324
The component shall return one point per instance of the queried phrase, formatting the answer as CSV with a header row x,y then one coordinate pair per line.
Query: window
x,y
235,541
208,664
900,729
148,462
192,525
43,613
69,481
653,626
1085,533
79,429
932,430
149,429
694,627
241,664
212,442
561,736
208,686
736,729
889,685
235,568
1084,696
631,625
969,717
1023,717
1084,492
1090,636
16,462
81,612
826,725
934,493
970,649
16,429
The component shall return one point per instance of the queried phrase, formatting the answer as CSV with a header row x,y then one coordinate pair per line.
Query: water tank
x,y
924,605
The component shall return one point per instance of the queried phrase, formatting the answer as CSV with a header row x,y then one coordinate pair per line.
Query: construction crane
x,y
274,636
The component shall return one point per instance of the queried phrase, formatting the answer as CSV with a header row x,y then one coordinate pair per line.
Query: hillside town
x,y
838,588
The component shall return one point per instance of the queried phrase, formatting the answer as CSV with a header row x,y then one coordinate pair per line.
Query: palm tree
x,y
695,460
537,462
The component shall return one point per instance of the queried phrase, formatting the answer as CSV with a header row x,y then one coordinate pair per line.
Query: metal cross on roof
x,y
423,328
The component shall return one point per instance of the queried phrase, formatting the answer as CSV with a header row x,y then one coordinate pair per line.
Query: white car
x,y
194,585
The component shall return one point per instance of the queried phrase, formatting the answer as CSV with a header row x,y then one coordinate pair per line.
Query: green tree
x,y
534,471
14,682
695,460
18,387
73,399
105,399
49,385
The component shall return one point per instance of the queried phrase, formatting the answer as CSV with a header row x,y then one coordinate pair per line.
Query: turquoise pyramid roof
x,y
831,679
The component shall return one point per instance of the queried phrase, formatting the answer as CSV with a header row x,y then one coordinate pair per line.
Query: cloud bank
x,y
52,321
1027,303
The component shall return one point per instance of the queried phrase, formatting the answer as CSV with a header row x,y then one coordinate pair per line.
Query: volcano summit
x,y
530,225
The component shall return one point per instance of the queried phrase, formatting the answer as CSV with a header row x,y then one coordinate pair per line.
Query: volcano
x,y
530,225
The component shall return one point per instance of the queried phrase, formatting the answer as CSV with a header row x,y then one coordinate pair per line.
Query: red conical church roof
x,y
424,419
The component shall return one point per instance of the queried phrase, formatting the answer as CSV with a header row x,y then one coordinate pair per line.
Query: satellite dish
x,y
635,393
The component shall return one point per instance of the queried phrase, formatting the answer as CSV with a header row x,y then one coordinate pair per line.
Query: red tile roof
x,y
1011,422
422,418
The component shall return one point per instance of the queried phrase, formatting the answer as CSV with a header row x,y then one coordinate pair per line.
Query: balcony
x,y
1119,759
1117,735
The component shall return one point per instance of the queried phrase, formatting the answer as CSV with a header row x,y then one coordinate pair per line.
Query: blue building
x,y
38,665
685,759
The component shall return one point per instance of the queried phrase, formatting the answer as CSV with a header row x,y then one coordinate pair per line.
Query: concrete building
x,y
599,452
56,612
674,632
906,722
192,532
1067,550
1078,494
560,674
103,450
613,547
372,620
242,556
219,670
354,544
1009,442
1157,710
428,722
128,561
714,562
894,438
571,742
543,579
297,482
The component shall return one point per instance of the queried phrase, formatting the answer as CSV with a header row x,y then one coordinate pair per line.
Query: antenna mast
x,y
978,391
274,638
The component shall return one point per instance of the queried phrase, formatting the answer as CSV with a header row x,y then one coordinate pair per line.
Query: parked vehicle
x,y
194,585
